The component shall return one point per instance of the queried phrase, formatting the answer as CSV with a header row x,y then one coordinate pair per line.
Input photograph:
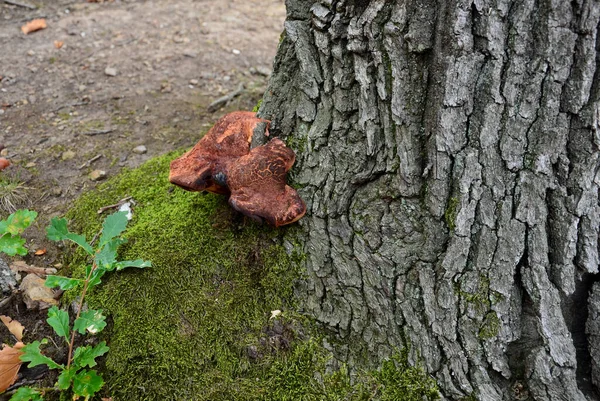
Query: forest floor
x,y
132,80
130,75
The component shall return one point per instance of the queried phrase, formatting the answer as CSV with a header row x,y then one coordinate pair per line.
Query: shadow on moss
x,y
197,326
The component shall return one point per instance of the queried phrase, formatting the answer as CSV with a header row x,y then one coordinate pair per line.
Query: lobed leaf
x,y
107,256
91,320
112,227
26,394
87,383
95,276
59,320
139,263
58,231
86,356
65,283
12,245
66,377
17,222
33,355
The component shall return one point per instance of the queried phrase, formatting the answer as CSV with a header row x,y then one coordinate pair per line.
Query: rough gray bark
x,y
448,153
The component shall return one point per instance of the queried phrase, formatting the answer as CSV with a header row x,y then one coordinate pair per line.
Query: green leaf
x,y
91,320
87,383
58,231
108,254
86,356
26,394
113,226
17,222
66,377
139,263
33,355
59,320
65,283
94,278
12,245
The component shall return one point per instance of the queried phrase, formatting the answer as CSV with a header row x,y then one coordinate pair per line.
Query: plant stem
x,y
85,287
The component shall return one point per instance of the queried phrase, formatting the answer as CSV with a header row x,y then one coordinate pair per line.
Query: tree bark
x,y
448,152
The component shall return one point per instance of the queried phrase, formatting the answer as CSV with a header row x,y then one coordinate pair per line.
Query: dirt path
x,y
129,73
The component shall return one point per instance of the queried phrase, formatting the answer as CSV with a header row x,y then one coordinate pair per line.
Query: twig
x,y
18,4
223,100
89,162
6,300
118,204
100,132
23,267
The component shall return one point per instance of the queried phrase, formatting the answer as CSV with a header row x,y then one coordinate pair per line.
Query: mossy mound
x,y
197,325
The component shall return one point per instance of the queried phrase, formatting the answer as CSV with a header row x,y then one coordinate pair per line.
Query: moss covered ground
x,y
197,325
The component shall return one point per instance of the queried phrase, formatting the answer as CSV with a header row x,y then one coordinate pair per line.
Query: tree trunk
x,y
448,154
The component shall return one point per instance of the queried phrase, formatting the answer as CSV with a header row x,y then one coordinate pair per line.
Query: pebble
x,y
4,152
236,51
97,175
30,165
140,150
263,71
1,111
110,71
194,81
56,191
190,53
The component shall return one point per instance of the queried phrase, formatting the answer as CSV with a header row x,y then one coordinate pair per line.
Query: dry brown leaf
x,y
34,25
40,252
9,364
58,44
4,163
14,326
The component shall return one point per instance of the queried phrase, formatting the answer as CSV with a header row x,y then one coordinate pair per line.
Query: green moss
x,y
197,326
450,213
490,326
255,109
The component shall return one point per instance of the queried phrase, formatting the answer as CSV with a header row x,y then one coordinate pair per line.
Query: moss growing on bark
x,y
197,325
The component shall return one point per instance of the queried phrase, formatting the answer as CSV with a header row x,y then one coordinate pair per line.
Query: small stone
x,y
30,165
32,99
35,294
30,53
140,150
190,53
4,152
67,155
110,71
1,111
56,191
263,71
194,81
97,175
236,51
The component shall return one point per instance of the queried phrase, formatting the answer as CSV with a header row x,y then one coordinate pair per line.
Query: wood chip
x,y
34,25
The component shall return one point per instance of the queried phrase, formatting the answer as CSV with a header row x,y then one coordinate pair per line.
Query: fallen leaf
x,y
40,252
13,326
34,25
4,163
58,44
275,313
9,364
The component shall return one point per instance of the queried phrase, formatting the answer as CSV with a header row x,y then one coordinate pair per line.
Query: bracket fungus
x,y
255,179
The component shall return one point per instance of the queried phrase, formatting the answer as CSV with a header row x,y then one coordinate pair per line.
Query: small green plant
x,y
75,376
13,194
11,229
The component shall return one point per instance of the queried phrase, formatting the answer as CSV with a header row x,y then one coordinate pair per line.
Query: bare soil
x,y
172,59
129,73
